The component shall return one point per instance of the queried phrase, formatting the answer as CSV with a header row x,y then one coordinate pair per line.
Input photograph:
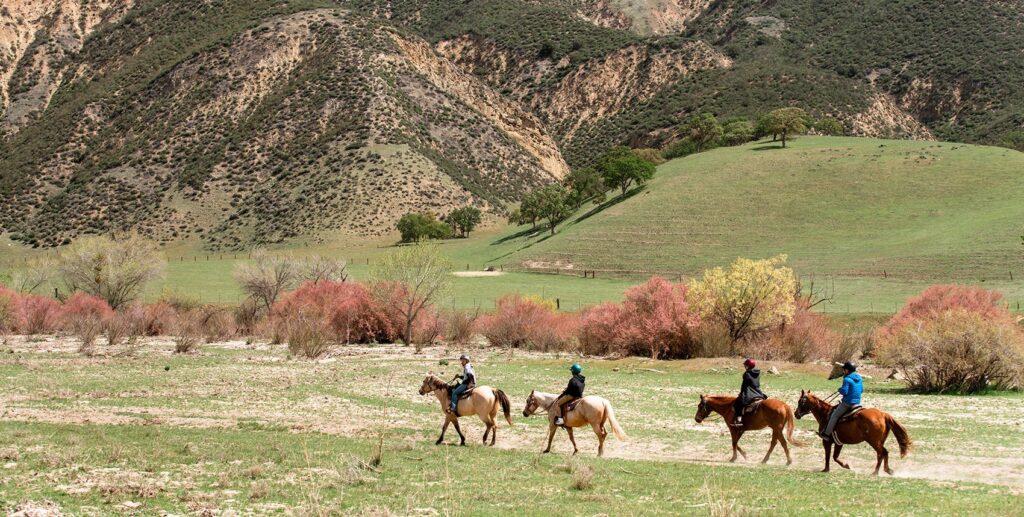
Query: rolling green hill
x,y
869,213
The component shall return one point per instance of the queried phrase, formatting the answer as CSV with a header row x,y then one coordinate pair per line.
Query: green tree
x,y
737,131
1014,140
528,210
416,227
621,167
828,126
703,130
552,204
679,149
783,122
116,270
465,219
585,185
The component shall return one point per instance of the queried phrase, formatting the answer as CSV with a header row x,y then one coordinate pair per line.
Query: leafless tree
x,y
412,278
267,277
36,272
318,269
116,270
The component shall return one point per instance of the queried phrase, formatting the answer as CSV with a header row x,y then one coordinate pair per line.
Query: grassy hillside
x,y
878,215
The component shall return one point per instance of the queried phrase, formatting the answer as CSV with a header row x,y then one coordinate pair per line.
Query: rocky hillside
x,y
242,123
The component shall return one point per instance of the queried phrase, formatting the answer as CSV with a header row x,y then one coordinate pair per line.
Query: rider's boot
x,y
559,420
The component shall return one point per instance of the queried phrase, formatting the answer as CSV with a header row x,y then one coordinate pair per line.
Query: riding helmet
x,y
850,366
464,357
749,363
576,369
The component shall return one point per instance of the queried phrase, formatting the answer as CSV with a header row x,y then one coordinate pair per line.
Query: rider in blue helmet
x,y
572,392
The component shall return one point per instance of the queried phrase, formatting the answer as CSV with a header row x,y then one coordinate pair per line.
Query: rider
x,y
750,391
468,377
572,392
851,390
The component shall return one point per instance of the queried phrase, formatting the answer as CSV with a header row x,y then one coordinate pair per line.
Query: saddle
x,y
468,392
753,406
572,405
849,414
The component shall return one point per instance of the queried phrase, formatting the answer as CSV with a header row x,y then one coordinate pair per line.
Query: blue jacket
x,y
852,389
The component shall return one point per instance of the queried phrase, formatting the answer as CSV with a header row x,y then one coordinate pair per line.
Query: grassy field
x,y
878,220
241,427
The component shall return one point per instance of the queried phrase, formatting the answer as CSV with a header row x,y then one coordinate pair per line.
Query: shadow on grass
x,y
608,204
523,233
768,147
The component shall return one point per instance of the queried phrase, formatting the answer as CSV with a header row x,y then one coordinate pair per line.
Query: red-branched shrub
x,y
346,309
599,328
85,315
8,305
657,320
807,338
429,327
460,325
943,298
527,322
36,314
158,319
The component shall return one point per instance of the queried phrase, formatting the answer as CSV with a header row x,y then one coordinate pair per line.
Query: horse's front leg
x,y
551,436
447,420
572,439
827,444
735,444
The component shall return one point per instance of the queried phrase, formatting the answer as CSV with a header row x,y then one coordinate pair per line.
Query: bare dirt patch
x,y
477,274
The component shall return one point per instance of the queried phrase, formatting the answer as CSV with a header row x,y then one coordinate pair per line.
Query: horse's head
x,y
429,384
803,406
702,409
531,405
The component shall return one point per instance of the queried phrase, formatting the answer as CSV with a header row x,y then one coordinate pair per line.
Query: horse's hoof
x,y
846,466
824,470
789,462
437,442
545,451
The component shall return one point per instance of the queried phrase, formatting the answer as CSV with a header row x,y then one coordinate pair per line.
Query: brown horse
x,y
483,402
592,410
870,425
773,413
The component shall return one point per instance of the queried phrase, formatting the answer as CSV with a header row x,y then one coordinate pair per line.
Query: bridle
x,y
703,407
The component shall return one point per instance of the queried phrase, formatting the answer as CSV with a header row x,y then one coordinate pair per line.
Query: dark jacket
x,y
751,388
575,387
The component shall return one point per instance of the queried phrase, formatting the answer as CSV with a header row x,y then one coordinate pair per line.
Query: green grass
x,y
246,429
880,218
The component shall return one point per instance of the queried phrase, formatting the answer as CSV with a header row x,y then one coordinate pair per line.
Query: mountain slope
x,y
266,122
848,207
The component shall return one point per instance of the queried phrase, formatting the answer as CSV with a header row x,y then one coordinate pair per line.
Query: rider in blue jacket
x,y
851,390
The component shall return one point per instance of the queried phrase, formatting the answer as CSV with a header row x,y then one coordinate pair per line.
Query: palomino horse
x,y
589,410
870,425
773,413
483,402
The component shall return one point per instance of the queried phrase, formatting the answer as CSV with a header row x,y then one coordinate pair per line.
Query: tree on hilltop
x,y
703,130
783,122
621,167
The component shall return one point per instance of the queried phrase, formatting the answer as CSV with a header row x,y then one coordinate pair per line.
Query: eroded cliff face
x,y
885,118
643,16
35,38
523,127
567,96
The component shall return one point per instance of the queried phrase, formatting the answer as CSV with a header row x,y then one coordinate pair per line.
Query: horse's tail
x,y
901,435
609,416
790,426
505,404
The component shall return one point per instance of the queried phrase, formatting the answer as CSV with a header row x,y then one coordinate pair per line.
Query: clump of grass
x,y
719,505
259,490
582,476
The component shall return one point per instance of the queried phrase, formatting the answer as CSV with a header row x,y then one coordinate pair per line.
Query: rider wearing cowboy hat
x,y
468,377
851,390
572,392
750,391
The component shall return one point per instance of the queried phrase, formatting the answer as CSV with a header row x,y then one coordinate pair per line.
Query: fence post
x,y
558,304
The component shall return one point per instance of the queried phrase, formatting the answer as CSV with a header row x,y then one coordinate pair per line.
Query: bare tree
x,y
814,294
318,269
116,270
267,277
36,273
413,277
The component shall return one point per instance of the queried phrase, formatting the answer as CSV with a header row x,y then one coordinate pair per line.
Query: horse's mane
x,y
438,384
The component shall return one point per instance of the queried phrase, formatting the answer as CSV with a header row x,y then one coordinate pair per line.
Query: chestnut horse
x,y
773,413
870,425
483,402
589,410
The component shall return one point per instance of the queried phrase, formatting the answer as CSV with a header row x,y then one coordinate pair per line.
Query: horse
x,y
772,413
870,425
592,410
483,402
